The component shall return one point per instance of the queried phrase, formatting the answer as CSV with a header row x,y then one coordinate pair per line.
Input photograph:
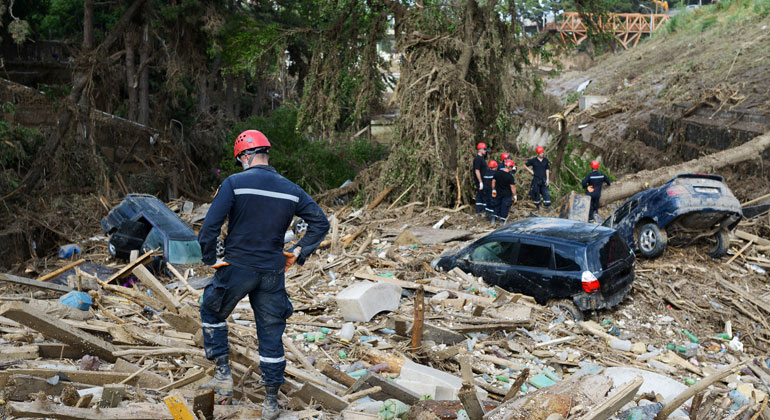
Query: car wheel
x,y
568,308
722,239
300,226
651,241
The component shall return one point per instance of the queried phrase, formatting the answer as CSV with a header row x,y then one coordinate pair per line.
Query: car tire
x,y
722,238
650,240
568,307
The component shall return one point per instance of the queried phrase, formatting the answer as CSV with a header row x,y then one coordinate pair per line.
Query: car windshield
x,y
178,252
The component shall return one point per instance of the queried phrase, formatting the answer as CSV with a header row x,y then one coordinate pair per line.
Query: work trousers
x,y
504,207
539,191
271,306
481,204
492,203
594,205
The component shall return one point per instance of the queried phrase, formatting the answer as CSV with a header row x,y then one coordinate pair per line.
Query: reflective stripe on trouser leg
x,y
271,308
480,202
214,338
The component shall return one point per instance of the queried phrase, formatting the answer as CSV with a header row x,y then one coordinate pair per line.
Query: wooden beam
x,y
62,412
698,387
619,398
336,375
10,278
145,258
60,270
158,289
379,198
470,401
57,329
89,377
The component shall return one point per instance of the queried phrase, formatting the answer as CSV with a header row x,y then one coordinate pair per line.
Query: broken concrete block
x,y
576,207
589,101
420,388
363,300
447,385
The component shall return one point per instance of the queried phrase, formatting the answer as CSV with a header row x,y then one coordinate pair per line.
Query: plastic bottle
x,y
618,344
347,331
690,335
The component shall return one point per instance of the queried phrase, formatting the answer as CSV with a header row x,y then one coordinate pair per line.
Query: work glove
x,y
547,182
494,193
481,185
291,258
220,263
515,199
590,188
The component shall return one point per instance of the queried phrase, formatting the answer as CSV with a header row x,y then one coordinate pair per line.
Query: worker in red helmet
x,y
491,202
592,184
504,188
259,205
479,168
503,158
540,169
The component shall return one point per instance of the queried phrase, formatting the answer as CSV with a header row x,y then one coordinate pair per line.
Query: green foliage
x,y
63,19
18,146
707,23
571,97
312,164
574,169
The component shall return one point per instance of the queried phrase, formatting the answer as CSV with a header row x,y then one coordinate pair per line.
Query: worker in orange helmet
x,y
592,184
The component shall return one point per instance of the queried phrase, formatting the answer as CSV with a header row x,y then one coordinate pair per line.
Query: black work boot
x,y
270,409
222,382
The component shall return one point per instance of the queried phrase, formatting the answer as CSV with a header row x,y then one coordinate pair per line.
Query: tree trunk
x,y
238,92
79,82
561,146
632,184
229,89
88,37
144,77
131,83
257,105
203,93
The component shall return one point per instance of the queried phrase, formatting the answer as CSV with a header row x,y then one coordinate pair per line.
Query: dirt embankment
x,y
701,85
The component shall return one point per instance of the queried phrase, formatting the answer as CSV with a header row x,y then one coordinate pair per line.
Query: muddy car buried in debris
x,y
574,265
685,209
143,222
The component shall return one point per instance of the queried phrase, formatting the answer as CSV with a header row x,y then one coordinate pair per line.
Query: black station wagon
x,y
574,265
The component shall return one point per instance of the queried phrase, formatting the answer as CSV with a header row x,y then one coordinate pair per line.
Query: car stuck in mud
x,y
574,265
687,208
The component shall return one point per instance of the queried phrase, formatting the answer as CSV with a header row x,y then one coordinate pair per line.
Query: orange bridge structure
x,y
628,28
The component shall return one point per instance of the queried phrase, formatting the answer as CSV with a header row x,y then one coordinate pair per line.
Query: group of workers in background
x,y
497,187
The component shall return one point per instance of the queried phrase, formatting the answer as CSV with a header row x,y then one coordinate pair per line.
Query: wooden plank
x,y
182,323
9,352
112,395
750,237
619,398
160,291
145,379
62,412
203,402
335,374
389,389
379,198
310,392
470,401
188,379
144,259
59,351
497,326
57,329
178,408
60,270
89,377
10,278
19,387
751,298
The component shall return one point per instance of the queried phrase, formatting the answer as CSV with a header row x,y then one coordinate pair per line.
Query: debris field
x,y
376,333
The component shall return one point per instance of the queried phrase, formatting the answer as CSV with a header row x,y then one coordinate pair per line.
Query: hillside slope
x,y
702,84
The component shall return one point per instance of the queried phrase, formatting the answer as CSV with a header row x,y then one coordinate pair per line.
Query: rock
x,y
363,300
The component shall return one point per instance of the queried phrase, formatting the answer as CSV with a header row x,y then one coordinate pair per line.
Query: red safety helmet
x,y
481,146
249,139
595,164
492,164
539,149
509,163
504,156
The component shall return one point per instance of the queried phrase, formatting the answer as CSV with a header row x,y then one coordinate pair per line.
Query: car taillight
x,y
675,190
590,282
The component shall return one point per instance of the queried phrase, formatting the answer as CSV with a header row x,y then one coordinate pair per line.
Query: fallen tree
x,y
632,184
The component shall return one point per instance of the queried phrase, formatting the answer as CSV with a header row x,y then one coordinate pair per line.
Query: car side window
x,y
624,210
533,255
565,261
496,252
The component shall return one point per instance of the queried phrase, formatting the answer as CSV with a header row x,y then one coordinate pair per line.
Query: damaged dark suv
x,y
574,265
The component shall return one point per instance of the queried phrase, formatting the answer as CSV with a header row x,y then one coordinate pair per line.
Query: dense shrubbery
x,y
574,168
18,146
315,165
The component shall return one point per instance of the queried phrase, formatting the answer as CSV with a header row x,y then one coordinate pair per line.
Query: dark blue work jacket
x,y
260,205
595,179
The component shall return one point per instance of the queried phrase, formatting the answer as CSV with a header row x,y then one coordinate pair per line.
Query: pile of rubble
x,y
376,333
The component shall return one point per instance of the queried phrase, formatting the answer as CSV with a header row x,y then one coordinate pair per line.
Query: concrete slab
x,y
362,301
447,385
589,101
653,382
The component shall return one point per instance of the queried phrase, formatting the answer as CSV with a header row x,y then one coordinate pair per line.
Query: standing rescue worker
x,y
479,167
260,205
593,183
491,202
540,169
504,188
503,158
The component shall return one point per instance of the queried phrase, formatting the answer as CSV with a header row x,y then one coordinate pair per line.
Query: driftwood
x,y
632,184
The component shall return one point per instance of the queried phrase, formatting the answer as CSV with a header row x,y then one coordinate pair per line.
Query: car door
x,y
491,260
534,266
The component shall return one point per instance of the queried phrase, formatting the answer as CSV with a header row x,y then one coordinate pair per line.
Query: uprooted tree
x,y
632,184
